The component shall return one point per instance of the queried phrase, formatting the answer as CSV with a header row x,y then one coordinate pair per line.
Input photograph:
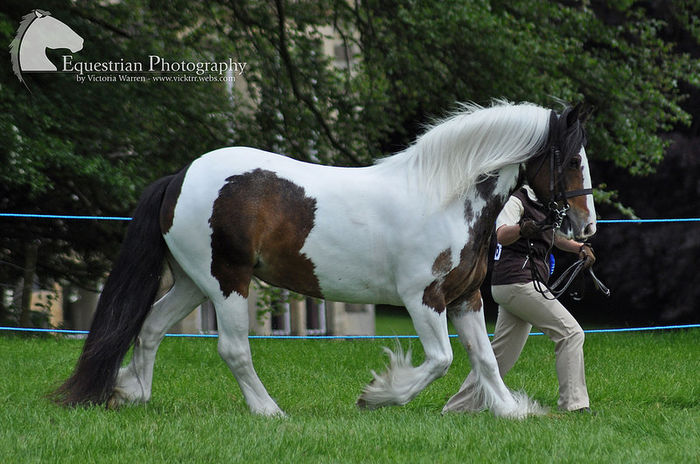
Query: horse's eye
x,y
575,162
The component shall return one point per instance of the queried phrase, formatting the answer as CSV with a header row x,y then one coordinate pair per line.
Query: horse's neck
x,y
32,55
482,207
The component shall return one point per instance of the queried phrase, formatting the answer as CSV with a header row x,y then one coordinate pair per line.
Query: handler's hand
x,y
586,252
529,229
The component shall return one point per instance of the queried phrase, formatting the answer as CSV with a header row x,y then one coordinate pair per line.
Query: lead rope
x,y
564,281
598,284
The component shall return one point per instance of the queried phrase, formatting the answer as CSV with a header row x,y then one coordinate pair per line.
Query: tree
x,y
416,59
89,149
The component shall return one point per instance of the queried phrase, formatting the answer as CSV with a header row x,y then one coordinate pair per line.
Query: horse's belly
x,y
346,289
355,283
336,277
351,260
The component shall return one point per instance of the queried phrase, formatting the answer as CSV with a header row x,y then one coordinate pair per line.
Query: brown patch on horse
x,y
466,278
573,179
453,284
486,186
474,301
432,295
259,225
461,283
466,303
443,263
167,207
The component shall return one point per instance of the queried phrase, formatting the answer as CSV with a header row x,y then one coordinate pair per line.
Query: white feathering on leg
x,y
393,386
526,406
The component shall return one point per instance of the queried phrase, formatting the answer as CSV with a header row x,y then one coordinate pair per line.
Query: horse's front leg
x,y
483,387
402,381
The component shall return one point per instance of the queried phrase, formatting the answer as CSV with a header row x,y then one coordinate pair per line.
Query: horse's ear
x,y
573,115
41,13
585,113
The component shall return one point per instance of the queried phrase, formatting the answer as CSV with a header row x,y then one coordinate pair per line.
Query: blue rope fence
x,y
124,218
342,337
63,216
330,337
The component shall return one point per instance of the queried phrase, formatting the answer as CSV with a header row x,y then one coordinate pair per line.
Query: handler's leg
x,y
484,387
560,326
511,332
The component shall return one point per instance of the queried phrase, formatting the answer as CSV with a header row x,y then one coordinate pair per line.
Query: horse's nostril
x,y
590,229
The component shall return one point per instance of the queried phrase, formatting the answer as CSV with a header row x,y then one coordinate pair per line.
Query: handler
x,y
521,306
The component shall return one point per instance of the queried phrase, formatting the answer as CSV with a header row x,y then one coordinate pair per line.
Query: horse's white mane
x,y
454,154
27,20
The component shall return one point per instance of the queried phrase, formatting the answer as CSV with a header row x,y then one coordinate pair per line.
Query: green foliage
x,y
271,300
604,196
643,386
415,59
90,148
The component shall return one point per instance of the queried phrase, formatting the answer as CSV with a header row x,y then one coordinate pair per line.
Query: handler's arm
x,y
507,235
507,223
584,250
565,244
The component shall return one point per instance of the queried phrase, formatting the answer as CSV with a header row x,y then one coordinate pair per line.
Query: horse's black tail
x,y
124,303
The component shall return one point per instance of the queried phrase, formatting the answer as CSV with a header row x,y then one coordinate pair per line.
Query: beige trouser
x,y
521,307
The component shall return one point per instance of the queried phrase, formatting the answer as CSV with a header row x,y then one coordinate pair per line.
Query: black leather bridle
x,y
558,194
557,190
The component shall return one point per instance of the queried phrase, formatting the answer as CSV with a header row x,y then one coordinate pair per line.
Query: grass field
x,y
645,388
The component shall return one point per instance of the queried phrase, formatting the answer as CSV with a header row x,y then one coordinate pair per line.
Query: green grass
x,y
645,388
398,322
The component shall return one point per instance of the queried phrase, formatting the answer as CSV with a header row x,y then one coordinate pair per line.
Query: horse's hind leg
x,y
135,380
402,382
484,387
234,348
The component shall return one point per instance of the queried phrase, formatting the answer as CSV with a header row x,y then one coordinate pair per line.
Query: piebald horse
x,y
411,230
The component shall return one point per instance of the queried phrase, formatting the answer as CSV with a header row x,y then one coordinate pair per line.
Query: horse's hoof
x,y
113,403
272,413
363,404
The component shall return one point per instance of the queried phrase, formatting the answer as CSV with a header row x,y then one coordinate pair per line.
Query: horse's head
x,y
560,176
49,32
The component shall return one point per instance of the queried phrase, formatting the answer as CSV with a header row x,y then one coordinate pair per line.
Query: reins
x,y
564,281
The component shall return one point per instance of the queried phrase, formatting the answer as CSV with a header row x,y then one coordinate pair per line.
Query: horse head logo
x,y
37,32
